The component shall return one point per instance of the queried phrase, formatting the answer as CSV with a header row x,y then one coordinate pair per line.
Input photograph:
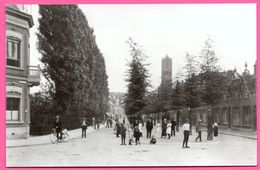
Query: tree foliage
x,y
211,78
137,78
73,63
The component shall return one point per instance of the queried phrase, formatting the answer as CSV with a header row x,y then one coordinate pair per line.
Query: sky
x,y
169,29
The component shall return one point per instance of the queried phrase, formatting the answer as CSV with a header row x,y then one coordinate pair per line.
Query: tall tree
x,y
191,84
137,79
210,75
72,61
177,96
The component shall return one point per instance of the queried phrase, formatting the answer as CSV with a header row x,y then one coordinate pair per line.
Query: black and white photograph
x,y
131,85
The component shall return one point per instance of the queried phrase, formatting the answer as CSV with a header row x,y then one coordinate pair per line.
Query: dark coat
x,y
149,125
122,130
173,124
57,125
135,124
164,127
137,133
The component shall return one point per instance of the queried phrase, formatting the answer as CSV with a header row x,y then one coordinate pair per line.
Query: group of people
x,y
168,128
212,130
109,123
135,130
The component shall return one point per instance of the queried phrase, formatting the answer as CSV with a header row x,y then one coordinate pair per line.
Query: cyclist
x,y
58,128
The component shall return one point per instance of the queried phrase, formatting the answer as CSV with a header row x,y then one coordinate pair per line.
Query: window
x,y
12,109
246,115
13,52
224,117
235,115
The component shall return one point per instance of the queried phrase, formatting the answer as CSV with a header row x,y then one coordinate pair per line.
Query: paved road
x,y
102,148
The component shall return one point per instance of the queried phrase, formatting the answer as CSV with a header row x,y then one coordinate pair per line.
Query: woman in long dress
x,y
169,129
158,130
140,125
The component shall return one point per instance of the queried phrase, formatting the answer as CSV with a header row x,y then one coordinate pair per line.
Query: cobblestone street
x,y
102,148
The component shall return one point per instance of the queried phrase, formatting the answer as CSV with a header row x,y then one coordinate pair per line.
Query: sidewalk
x,y
45,139
235,132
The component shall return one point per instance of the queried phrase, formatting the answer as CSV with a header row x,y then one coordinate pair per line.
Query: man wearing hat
x,y
58,127
198,129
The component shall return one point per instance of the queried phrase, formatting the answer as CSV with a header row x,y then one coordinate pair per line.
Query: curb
x,y
49,142
238,135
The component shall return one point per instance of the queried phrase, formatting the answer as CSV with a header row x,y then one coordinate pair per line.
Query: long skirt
x,y
215,131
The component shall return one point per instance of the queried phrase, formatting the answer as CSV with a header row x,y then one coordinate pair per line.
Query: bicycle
x,y
65,136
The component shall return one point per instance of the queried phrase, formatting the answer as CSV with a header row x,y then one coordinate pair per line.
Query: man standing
x,y
164,127
186,131
210,131
173,127
149,128
58,128
94,122
84,127
123,133
198,129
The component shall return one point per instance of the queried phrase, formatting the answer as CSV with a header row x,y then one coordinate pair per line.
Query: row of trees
x,y
74,68
201,85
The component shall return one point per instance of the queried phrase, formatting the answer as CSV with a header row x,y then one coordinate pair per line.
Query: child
x,y
137,135
153,140
130,133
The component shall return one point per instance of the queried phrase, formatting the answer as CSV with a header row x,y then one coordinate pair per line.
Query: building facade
x,y
237,107
20,76
116,109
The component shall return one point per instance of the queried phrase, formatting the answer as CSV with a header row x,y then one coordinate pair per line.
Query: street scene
x,y
131,85
102,148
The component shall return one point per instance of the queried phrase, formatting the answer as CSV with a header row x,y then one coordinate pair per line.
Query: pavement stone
x,y
44,139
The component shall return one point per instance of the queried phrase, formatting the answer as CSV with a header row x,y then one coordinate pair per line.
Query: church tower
x,y
166,76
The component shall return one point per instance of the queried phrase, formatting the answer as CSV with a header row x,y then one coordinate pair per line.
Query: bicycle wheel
x,y
66,136
53,138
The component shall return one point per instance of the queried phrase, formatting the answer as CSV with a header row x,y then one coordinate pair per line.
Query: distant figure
x,y
84,127
140,125
169,129
199,130
94,122
164,127
137,135
153,140
215,126
135,123
123,133
131,134
117,129
210,131
107,124
110,122
149,128
98,124
186,132
57,126
158,129
173,127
